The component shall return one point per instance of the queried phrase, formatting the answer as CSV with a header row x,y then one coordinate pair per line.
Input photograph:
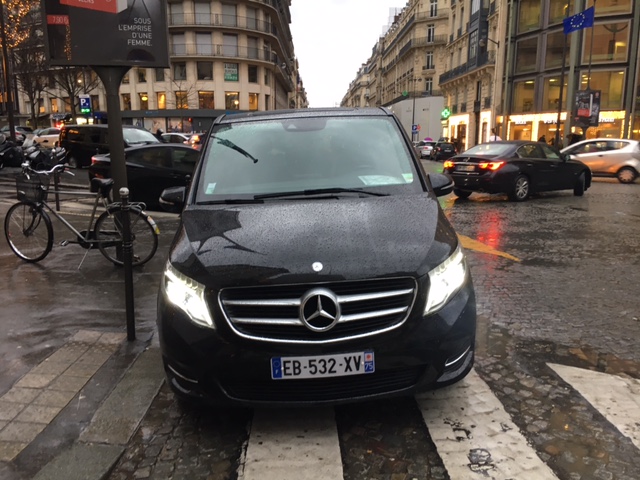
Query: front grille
x,y
273,313
324,389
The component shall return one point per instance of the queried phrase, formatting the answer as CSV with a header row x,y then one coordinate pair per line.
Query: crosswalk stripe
x,y
475,436
617,398
286,444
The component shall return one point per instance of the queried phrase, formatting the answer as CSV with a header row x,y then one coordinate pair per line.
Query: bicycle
x,y
29,231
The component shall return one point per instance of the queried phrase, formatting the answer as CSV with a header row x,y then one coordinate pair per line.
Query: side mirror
x,y
441,183
172,199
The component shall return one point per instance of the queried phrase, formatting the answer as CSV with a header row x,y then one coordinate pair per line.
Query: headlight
x,y
445,280
188,295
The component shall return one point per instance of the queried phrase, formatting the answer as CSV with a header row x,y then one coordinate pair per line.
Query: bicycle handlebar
x,y
27,168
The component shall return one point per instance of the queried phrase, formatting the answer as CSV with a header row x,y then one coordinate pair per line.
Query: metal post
x,y
564,64
7,76
127,254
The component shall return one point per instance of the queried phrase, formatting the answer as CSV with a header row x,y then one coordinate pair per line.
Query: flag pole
x,y
564,65
591,50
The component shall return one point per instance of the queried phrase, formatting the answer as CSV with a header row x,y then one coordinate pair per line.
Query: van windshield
x,y
301,154
137,136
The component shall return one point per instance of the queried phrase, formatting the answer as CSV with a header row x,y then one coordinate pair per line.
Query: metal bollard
x,y
127,259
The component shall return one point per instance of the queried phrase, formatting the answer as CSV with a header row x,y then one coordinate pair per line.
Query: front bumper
x,y
220,367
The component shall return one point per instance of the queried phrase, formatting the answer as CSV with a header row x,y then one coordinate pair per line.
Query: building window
x,y
126,101
611,83
428,60
142,75
267,77
252,47
611,7
162,100
54,105
523,96
230,45
41,105
610,43
203,44
433,8
551,94
159,74
95,102
557,11
253,73
267,102
181,100
144,101
428,85
553,52
205,100
205,70
253,101
473,44
203,13
529,15
178,44
475,6
431,33
252,18
180,71
232,100
176,15
526,55
229,17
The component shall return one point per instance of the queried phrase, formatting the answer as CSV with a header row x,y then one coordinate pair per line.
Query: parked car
x,y
47,137
84,141
609,157
310,267
150,169
176,137
517,168
21,133
442,150
425,147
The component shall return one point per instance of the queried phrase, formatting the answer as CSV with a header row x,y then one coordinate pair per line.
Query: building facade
x,y
507,64
224,57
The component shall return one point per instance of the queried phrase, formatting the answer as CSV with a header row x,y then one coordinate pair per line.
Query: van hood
x,y
312,240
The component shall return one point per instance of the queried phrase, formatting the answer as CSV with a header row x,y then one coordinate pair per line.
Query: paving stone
x,y
33,380
9,450
54,398
20,395
68,383
9,410
38,414
21,431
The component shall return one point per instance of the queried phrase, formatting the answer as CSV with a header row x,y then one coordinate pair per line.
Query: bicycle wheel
x,y
28,231
144,236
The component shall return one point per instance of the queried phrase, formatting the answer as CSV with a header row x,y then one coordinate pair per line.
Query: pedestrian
x,y
543,139
494,136
158,135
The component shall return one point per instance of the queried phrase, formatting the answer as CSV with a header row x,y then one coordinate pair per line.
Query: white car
x,y
609,157
47,137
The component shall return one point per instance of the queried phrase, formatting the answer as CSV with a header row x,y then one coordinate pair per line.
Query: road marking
x,y
291,444
617,398
471,244
475,436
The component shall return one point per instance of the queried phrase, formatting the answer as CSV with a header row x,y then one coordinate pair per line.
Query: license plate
x,y
465,168
319,366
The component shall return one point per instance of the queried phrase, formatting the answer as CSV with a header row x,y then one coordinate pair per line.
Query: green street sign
x,y
405,94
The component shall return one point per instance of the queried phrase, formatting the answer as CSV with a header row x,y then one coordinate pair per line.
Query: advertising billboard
x,y
587,108
106,32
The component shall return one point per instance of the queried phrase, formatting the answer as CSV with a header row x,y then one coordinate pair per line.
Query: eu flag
x,y
579,21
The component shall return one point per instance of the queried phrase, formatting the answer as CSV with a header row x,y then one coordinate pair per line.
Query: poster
x,y
106,32
588,108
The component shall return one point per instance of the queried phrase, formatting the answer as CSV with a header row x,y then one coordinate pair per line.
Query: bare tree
x,y
71,82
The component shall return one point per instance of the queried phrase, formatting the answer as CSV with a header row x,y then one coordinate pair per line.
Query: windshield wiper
x,y
230,144
319,191
231,201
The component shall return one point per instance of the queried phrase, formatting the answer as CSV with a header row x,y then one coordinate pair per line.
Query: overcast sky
x,y
332,39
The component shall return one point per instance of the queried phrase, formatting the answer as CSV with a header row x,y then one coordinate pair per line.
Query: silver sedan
x,y
609,157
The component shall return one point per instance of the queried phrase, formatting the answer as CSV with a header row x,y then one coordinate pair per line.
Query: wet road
x,y
557,281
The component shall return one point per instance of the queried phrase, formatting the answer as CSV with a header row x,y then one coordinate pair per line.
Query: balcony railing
x,y
220,20
463,107
429,40
431,15
428,68
228,51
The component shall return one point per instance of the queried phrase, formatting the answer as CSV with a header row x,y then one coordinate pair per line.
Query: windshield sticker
x,y
408,177
374,180
210,188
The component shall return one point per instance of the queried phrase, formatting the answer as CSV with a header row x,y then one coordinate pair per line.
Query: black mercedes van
x,y
313,265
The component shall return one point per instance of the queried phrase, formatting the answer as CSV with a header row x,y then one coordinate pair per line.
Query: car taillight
x,y
94,160
447,164
490,165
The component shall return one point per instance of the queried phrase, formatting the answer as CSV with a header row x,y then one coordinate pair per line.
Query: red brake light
x,y
490,165
447,164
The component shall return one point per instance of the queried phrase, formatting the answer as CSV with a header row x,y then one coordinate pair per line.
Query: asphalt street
x,y
554,393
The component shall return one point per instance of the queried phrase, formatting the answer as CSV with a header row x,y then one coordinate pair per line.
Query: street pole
x,y
7,80
413,115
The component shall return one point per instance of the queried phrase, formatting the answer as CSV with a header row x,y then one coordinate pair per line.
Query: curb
x,y
96,452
